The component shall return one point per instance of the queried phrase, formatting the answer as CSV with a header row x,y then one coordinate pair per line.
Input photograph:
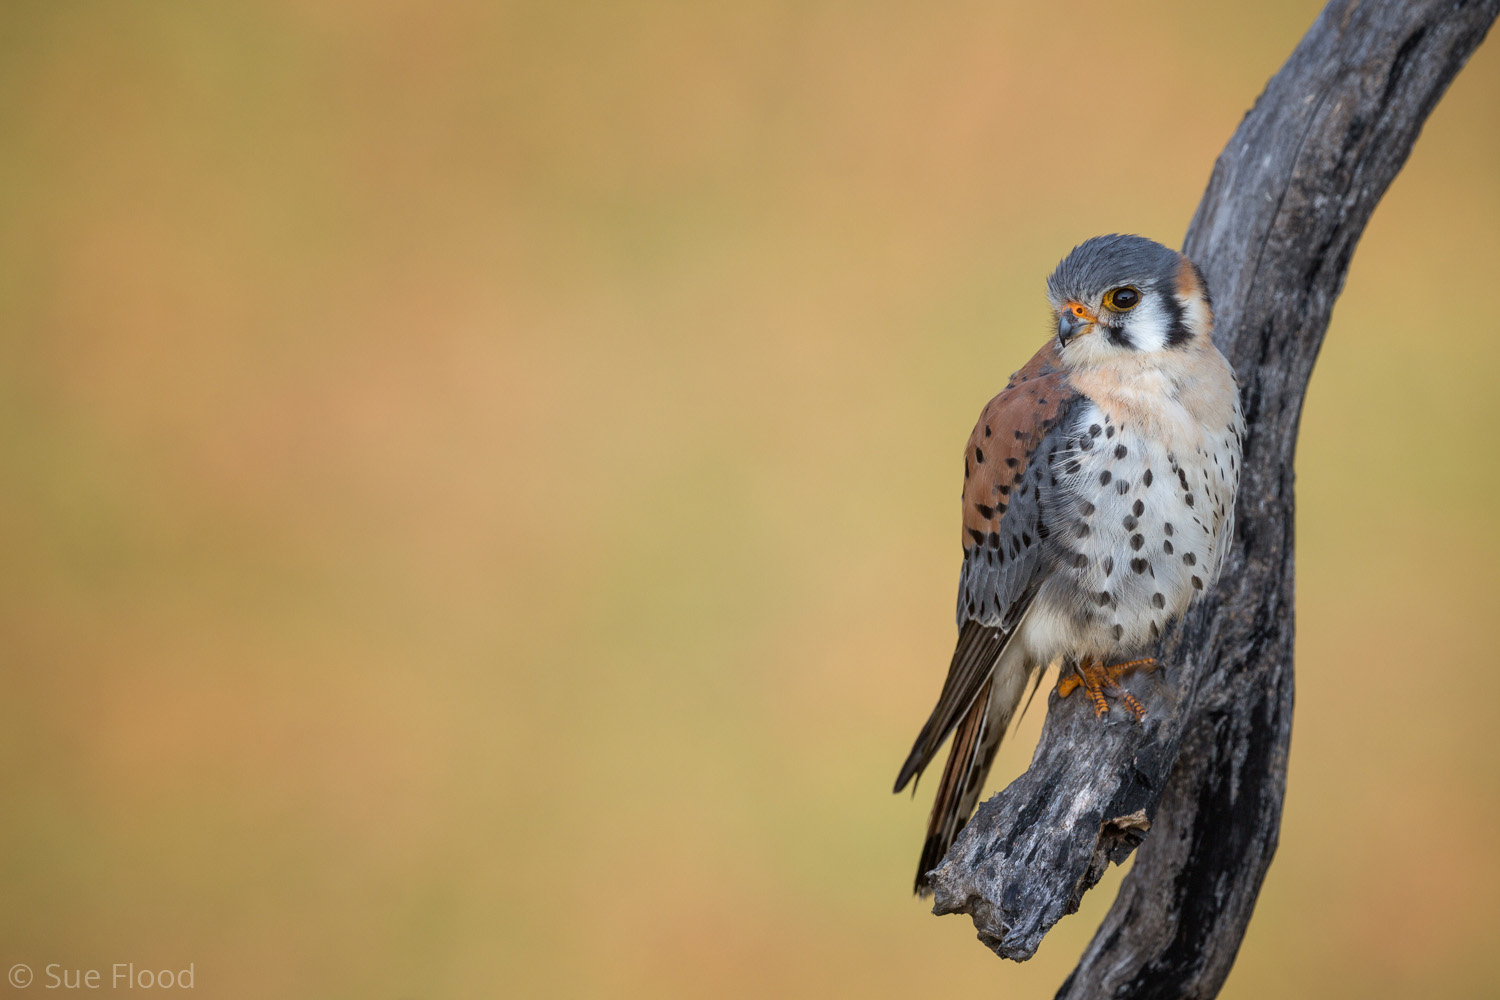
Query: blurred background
x,y
479,510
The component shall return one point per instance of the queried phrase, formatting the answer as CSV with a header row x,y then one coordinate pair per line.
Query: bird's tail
x,y
975,741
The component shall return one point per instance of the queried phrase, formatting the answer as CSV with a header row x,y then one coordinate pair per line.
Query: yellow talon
x,y
1097,680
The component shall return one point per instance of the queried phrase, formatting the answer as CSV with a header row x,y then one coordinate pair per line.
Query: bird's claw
x,y
1098,680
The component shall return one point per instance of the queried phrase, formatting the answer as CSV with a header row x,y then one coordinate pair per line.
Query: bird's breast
x,y
1141,521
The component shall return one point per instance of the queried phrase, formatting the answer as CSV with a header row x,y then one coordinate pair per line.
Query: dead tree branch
x,y
1287,202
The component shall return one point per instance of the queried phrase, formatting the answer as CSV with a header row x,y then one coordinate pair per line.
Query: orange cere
x,y
1080,310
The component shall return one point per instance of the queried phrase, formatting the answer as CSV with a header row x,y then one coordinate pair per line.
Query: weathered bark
x,y
1201,783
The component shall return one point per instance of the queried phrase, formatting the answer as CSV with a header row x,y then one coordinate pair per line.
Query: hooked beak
x,y
1074,319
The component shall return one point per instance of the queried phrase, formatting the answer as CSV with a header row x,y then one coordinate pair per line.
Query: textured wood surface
x,y
1199,787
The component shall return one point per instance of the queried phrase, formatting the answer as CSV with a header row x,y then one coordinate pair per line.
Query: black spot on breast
x,y
1105,477
1086,444
1138,508
1136,541
1103,598
1166,547
1011,463
1004,489
1110,433
1147,478
1188,499
1139,565
1080,560
979,456
1086,509
1155,631
975,534
1130,522
1124,487
1082,530
1190,559
1121,451
1095,430
1167,528
1119,631
988,513
1158,601
1109,565
1071,467
1197,583
986,430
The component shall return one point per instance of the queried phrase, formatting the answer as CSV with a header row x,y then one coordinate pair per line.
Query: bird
x,y
1098,504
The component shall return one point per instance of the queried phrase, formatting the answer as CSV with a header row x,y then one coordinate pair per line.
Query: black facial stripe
x,y
1116,336
1177,331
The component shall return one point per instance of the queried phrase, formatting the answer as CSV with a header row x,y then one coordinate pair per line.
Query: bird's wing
x,y
1008,481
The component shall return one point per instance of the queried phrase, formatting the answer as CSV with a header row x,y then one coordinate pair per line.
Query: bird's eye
x,y
1122,299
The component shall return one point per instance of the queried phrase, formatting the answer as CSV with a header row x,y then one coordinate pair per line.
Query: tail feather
x,y
975,742
946,820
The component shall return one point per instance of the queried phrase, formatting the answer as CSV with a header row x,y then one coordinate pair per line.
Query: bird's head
x,y
1119,296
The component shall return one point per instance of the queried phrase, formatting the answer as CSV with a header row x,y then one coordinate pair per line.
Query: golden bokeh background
x,y
480,487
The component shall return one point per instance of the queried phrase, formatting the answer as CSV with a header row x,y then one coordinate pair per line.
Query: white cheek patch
x,y
1195,314
1147,325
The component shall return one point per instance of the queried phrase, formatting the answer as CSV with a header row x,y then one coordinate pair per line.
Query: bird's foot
x,y
1098,680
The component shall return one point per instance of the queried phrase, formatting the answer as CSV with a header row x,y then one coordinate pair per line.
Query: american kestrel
x,y
1098,503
